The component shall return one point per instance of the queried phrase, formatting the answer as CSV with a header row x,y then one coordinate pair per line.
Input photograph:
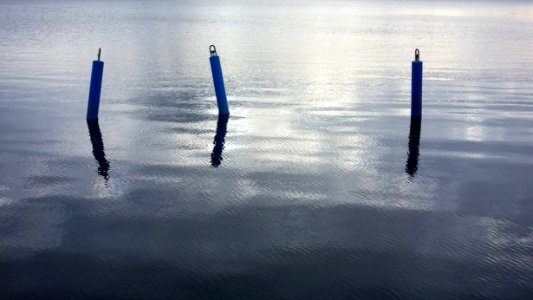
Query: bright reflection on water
x,y
317,186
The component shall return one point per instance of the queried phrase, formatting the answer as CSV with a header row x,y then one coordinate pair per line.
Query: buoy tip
x,y
213,50
417,54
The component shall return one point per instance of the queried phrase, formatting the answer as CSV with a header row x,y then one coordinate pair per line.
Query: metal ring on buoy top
x,y
213,50
417,54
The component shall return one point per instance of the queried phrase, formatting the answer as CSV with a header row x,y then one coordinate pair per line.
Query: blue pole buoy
x,y
95,88
416,87
218,81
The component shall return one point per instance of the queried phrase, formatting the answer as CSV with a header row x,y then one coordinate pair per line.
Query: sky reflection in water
x,y
306,191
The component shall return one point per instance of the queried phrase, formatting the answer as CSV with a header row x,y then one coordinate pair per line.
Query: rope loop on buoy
x,y
99,52
213,50
417,54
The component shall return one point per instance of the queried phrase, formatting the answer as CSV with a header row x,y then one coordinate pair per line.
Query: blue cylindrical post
x,y
95,89
218,81
416,87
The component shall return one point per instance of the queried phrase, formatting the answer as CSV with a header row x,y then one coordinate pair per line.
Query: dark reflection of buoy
x,y
216,156
414,144
98,148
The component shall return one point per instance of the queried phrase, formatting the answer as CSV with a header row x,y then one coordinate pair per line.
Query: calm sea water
x,y
317,187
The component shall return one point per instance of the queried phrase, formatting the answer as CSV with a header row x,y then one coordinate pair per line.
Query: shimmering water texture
x,y
318,186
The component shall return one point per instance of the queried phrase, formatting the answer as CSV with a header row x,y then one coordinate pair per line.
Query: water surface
x,y
317,187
